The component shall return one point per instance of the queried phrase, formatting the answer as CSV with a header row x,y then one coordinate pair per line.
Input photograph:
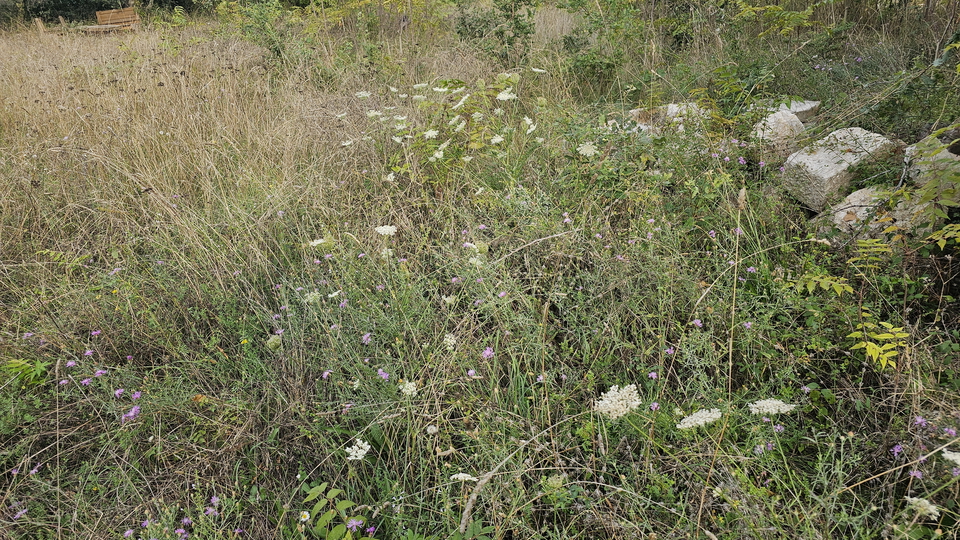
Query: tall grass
x,y
192,217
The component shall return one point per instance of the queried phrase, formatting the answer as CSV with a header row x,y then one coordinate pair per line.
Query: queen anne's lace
x,y
358,450
618,402
952,457
771,406
700,418
923,507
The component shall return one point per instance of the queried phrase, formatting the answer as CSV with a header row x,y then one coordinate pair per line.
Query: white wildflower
x,y
463,477
476,261
403,95
334,294
587,149
346,143
453,120
363,94
477,116
449,340
538,70
398,140
392,89
390,177
467,159
700,418
460,126
506,95
386,253
444,145
439,89
419,98
400,127
399,118
432,429
923,507
436,155
320,242
498,111
420,86
430,134
530,125
461,102
408,388
358,450
386,230
448,299
771,406
953,457
540,140
618,402
374,114
497,139
312,297
304,516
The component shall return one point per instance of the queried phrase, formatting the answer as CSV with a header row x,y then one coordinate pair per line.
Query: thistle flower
x,y
699,418
617,402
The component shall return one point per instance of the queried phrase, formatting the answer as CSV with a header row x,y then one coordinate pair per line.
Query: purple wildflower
x,y
117,392
670,350
697,322
487,353
86,382
20,514
71,363
950,431
99,373
654,406
186,521
215,500
916,474
778,428
471,373
897,448
920,421
354,524
128,533
365,338
131,414
136,395
747,325
88,352
325,374
383,374
653,375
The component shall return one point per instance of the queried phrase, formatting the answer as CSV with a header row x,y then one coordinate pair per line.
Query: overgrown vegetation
x,y
407,270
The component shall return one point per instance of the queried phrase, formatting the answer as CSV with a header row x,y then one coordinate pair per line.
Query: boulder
x,y
676,115
804,110
818,173
863,213
779,132
935,157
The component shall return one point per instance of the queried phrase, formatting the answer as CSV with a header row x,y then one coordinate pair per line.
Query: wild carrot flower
x,y
358,450
699,418
408,388
386,230
587,149
463,477
770,406
617,402
923,507
953,457
506,95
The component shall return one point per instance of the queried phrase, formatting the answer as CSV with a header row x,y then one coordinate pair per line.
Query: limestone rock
x,y
935,157
819,172
779,132
804,110
863,212
680,116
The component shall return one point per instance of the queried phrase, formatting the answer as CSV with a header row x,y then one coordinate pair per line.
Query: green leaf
x,y
344,504
319,506
332,494
337,532
313,493
325,520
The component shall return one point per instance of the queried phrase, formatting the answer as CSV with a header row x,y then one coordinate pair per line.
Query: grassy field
x,y
344,274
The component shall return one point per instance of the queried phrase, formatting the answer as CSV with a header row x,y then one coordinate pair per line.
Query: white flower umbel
x,y
587,149
463,477
363,94
386,230
953,457
496,139
358,450
450,341
923,507
408,388
313,297
430,134
771,406
618,402
700,418
506,95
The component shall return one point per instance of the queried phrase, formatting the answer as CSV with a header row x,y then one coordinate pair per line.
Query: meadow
x,y
406,271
